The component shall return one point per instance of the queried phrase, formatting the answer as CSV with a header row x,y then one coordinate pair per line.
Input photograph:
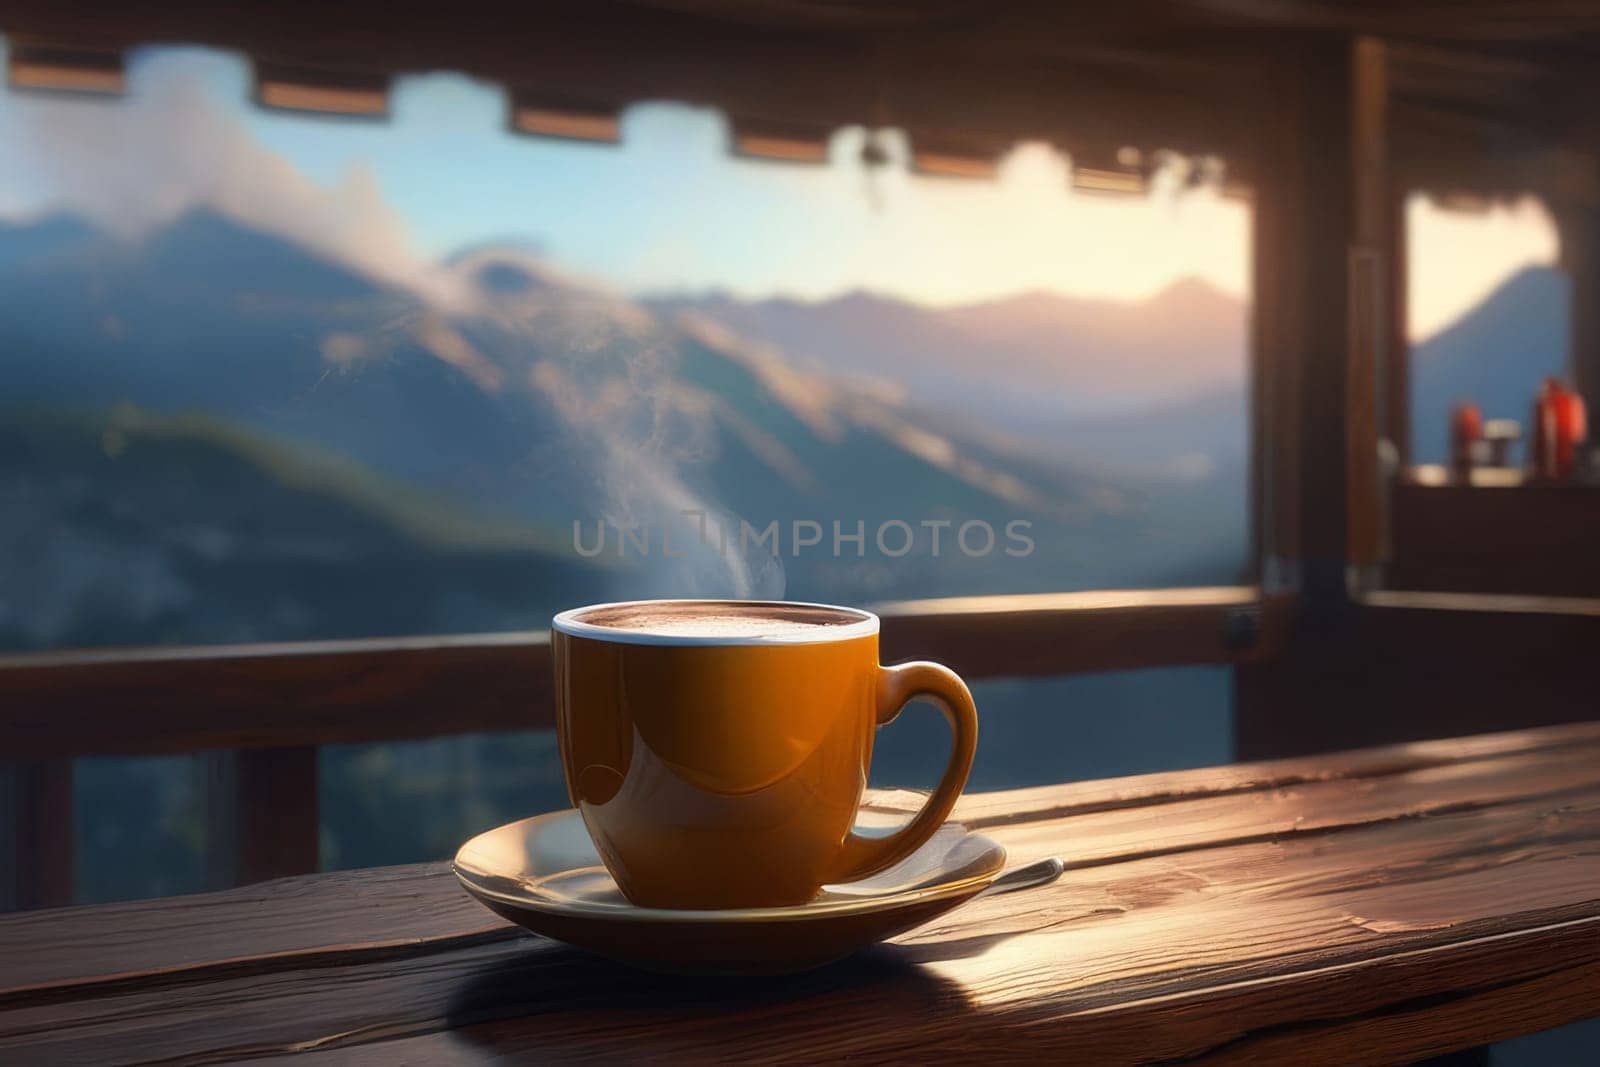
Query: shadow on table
x,y
555,998
956,948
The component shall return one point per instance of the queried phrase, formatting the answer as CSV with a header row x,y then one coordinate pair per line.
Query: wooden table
x,y
1369,907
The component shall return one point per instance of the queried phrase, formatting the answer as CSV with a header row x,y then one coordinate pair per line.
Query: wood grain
x,y
986,810
327,914
1392,905
1157,960
278,924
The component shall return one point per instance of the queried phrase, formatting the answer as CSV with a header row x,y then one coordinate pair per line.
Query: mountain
x,y
743,427
1148,396
1496,355
128,527
32,244
511,398
206,315
1033,354
1185,338
529,393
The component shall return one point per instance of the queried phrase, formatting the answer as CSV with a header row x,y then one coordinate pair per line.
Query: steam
x,y
613,379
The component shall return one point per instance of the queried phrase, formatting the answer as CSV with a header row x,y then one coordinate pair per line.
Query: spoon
x,y
1041,872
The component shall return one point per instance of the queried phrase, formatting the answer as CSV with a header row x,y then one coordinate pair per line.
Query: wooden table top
x,y
1367,907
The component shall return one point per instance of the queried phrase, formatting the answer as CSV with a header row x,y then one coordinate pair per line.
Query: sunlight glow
x,y
1457,258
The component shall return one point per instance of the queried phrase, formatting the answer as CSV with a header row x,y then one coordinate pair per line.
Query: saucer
x,y
544,874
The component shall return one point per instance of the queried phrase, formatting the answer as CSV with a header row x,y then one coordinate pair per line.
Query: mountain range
x,y
1041,352
209,364
214,433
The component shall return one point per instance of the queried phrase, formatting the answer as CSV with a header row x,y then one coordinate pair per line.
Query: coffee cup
x,y
718,749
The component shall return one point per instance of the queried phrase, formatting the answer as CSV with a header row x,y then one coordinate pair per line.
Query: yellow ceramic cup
x,y
718,749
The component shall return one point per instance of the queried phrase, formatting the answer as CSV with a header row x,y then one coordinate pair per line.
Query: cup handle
x,y
897,687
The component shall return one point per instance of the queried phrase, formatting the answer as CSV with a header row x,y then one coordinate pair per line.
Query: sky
x,y
668,209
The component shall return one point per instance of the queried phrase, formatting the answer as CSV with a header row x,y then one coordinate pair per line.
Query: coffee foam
x,y
715,621
713,625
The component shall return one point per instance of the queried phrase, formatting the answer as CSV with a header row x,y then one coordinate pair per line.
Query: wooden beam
x,y
36,835
267,696
37,66
322,92
963,76
781,142
273,696
1012,69
1077,633
564,118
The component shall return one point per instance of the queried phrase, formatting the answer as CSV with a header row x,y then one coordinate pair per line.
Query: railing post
x,y
262,814
36,835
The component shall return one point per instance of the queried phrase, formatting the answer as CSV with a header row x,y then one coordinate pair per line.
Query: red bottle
x,y
1560,426
1466,430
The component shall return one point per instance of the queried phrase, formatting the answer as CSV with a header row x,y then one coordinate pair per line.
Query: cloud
x,y
180,141
136,164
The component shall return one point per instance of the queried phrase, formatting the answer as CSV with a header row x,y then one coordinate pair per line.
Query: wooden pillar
x,y
1329,301
1301,243
1370,325
1579,224
1328,308
1304,236
36,835
1396,378
262,814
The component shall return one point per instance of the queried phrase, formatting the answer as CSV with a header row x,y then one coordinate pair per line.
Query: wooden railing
x,y
149,701
264,709
1405,664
